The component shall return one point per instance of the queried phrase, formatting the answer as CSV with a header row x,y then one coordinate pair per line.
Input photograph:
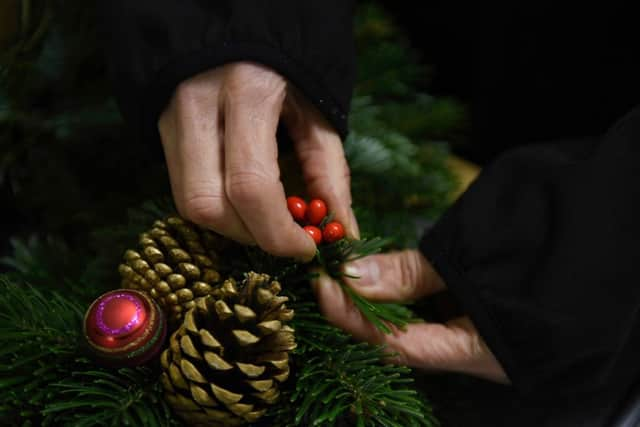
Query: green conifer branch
x,y
338,378
47,378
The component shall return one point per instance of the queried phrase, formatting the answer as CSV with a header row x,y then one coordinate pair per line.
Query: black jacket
x,y
541,251
153,45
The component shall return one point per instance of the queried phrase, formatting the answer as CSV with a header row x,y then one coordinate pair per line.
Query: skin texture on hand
x,y
219,138
454,346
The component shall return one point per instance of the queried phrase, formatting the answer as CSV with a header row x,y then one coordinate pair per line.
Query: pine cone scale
x,y
226,343
172,266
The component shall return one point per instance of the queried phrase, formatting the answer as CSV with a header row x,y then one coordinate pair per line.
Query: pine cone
x,y
225,362
177,263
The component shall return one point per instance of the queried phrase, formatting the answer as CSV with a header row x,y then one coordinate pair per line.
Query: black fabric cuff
x,y
435,245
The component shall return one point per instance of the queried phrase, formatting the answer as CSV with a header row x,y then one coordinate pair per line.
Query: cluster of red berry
x,y
312,217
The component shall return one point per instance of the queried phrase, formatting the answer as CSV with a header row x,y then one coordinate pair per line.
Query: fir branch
x,y
93,396
38,331
46,380
338,379
398,179
42,261
378,314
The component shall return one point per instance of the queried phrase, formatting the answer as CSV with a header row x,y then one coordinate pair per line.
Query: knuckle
x,y
195,94
406,265
463,348
197,90
203,209
472,346
245,186
186,92
187,100
254,82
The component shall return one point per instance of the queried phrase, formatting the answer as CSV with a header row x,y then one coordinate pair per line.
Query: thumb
x,y
398,276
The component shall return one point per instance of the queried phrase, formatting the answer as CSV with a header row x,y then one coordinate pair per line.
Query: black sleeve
x,y
543,253
151,46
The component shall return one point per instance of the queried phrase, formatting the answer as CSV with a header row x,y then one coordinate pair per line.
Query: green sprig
x,y
46,378
337,378
331,259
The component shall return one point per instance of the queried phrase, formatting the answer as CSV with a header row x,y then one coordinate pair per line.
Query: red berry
x,y
316,211
333,232
297,207
314,232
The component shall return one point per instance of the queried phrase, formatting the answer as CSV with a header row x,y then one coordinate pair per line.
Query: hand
x,y
454,346
219,138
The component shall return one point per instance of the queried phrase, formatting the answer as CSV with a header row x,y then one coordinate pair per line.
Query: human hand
x,y
219,138
454,346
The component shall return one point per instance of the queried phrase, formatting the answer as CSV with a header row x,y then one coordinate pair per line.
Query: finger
x,y
340,311
455,346
252,177
324,165
428,346
433,346
485,365
191,141
396,276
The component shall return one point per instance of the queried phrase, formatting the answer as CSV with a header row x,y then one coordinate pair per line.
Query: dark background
x,y
528,71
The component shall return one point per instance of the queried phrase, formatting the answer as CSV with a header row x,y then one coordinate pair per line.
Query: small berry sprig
x,y
314,220
334,250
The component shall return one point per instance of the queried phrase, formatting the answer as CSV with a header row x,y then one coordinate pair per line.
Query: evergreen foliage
x,y
69,170
43,351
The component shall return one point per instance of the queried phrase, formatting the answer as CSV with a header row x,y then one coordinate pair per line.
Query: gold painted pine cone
x,y
225,362
176,263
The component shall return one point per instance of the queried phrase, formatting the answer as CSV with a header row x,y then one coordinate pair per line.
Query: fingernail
x,y
363,272
306,258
